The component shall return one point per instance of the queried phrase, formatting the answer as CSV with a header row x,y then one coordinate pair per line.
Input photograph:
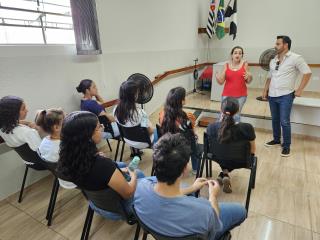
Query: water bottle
x,y
133,165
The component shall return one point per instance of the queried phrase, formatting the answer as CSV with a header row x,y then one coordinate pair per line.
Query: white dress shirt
x,y
284,79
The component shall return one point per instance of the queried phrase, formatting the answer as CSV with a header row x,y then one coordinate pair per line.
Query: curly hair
x,y
229,107
46,119
77,149
173,111
9,113
171,155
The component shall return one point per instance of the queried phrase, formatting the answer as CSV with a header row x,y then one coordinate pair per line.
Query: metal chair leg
x,y
117,150
109,145
145,234
87,224
23,183
54,195
122,150
210,168
136,235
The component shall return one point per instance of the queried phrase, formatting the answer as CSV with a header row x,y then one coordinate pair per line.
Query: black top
x,y
99,175
240,131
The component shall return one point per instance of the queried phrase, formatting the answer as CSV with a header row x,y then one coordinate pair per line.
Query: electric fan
x,y
145,87
264,62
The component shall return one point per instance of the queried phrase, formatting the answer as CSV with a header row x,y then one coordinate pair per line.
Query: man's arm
x,y
266,88
305,79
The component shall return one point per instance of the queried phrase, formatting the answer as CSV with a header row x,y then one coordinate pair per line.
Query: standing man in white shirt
x,y
280,89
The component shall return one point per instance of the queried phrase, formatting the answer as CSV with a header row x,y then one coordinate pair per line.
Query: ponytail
x,y
46,119
230,106
224,132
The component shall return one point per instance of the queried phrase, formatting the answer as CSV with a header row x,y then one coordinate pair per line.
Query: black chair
x,y
136,134
158,236
37,163
237,152
108,128
107,200
32,160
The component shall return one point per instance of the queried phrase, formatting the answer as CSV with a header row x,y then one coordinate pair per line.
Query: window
x,y
36,22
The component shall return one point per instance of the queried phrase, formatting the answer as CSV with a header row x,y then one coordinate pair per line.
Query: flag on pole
x,y
220,20
231,14
211,19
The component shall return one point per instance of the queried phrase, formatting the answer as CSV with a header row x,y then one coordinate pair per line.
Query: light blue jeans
x,y
231,215
242,101
127,203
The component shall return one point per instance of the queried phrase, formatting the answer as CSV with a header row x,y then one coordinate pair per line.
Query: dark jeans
x,y
280,108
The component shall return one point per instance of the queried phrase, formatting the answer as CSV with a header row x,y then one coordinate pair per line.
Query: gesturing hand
x,y
214,188
199,183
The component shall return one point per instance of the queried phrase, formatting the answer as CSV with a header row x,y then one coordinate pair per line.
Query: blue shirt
x,y
91,105
175,217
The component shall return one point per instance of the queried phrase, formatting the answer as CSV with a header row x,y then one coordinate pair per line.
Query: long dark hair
x,y
77,149
126,109
229,107
46,119
173,111
84,85
9,113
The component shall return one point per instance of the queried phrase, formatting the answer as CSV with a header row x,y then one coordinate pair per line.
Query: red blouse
x,y
235,84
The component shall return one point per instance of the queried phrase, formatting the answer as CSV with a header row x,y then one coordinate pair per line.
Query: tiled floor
x,y
284,205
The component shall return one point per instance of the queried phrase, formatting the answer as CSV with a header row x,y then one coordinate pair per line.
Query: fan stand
x,y
195,77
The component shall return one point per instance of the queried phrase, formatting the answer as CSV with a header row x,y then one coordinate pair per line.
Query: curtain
x,y
86,29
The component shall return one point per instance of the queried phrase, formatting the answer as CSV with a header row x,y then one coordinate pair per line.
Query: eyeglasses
x,y
277,66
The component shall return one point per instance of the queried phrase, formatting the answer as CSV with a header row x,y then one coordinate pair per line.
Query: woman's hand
x,y
247,76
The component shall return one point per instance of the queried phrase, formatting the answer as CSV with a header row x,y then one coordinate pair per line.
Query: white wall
x,y
144,36
260,21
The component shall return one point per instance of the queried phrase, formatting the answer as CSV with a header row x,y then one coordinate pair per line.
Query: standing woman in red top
x,y
235,77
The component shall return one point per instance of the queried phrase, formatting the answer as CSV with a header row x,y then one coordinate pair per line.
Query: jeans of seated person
x,y
231,215
127,203
116,132
242,101
196,153
155,136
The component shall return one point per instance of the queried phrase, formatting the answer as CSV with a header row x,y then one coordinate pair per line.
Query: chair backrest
x,y
110,201
236,152
136,134
28,155
159,236
106,123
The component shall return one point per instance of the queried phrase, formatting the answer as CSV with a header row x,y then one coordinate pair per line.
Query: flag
x,y
220,20
211,19
231,13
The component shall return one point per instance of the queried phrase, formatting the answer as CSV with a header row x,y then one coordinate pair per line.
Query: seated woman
x,y
128,114
228,131
14,129
81,163
51,122
173,120
90,91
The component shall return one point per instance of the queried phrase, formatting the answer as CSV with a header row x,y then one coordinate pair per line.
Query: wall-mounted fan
x,y
264,62
145,87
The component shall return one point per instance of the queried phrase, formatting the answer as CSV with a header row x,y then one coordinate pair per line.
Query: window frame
x,y
42,26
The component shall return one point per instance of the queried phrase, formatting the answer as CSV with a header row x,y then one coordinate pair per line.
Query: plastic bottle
x,y
133,165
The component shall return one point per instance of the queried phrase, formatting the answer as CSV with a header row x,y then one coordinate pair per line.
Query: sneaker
x,y
272,143
226,184
219,178
285,152
136,154
194,172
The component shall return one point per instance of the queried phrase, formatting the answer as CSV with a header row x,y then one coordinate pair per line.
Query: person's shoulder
x,y
243,125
